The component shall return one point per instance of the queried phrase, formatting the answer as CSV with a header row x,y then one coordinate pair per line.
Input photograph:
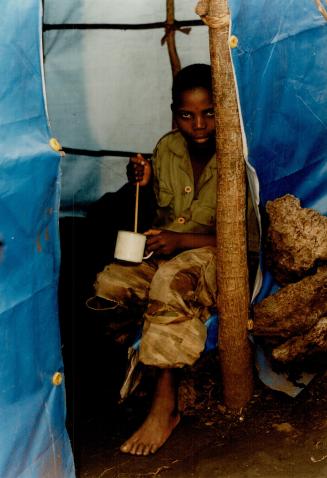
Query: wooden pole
x,y
232,271
170,38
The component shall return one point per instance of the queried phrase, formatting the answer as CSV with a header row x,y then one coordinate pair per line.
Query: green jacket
x,y
180,208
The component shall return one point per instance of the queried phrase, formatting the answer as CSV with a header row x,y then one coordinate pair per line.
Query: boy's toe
x,y
154,448
126,447
146,450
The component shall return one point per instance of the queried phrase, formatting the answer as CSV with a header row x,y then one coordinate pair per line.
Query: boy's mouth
x,y
200,139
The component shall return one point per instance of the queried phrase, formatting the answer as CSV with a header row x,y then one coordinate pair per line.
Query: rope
x,y
321,9
221,22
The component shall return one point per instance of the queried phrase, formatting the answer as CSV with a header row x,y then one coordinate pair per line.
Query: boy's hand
x,y
161,241
139,170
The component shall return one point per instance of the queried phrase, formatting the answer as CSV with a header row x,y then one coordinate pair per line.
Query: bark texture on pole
x,y
232,269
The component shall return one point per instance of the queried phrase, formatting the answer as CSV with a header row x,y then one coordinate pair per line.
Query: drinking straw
x,y
136,206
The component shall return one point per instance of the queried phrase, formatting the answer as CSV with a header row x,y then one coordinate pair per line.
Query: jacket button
x,y
188,189
181,220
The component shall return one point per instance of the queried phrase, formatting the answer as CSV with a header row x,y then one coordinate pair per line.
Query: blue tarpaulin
x,y
280,66
33,439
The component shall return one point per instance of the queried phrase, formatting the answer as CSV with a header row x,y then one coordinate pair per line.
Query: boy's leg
x,y
161,421
181,297
124,284
120,298
121,293
182,292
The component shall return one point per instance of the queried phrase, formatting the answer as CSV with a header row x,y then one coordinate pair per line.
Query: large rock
x,y
296,239
294,309
304,347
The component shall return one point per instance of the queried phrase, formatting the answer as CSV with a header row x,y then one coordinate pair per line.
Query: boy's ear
x,y
172,108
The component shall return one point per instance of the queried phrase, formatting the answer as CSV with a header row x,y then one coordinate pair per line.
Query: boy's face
x,y
195,118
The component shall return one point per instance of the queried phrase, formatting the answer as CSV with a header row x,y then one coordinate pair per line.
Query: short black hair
x,y
197,75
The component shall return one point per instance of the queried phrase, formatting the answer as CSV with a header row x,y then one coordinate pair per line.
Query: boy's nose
x,y
199,122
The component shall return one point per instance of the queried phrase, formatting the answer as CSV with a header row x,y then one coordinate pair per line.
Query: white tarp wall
x,y
110,89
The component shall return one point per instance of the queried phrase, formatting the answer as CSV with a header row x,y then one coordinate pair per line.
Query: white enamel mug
x,y
130,247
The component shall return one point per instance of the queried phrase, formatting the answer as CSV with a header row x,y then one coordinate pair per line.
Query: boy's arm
x,y
192,240
168,242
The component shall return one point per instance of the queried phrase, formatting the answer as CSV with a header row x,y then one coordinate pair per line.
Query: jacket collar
x,y
178,146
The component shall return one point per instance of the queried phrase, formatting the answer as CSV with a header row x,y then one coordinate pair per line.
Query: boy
x,y
177,286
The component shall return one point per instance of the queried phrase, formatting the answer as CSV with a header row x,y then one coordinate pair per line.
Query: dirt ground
x,y
276,437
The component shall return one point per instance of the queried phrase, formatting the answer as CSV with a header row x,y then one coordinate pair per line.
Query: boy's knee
x,y
110,288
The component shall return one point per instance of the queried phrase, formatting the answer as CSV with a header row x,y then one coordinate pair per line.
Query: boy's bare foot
x,y
151,435
161,421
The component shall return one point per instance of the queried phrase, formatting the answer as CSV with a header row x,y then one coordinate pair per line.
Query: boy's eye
x,y
184,115
210,113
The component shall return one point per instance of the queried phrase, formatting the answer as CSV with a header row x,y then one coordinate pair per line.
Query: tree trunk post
x,y
170,38
232,270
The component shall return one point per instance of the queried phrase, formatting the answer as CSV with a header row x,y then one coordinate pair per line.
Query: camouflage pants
x,y
178,295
